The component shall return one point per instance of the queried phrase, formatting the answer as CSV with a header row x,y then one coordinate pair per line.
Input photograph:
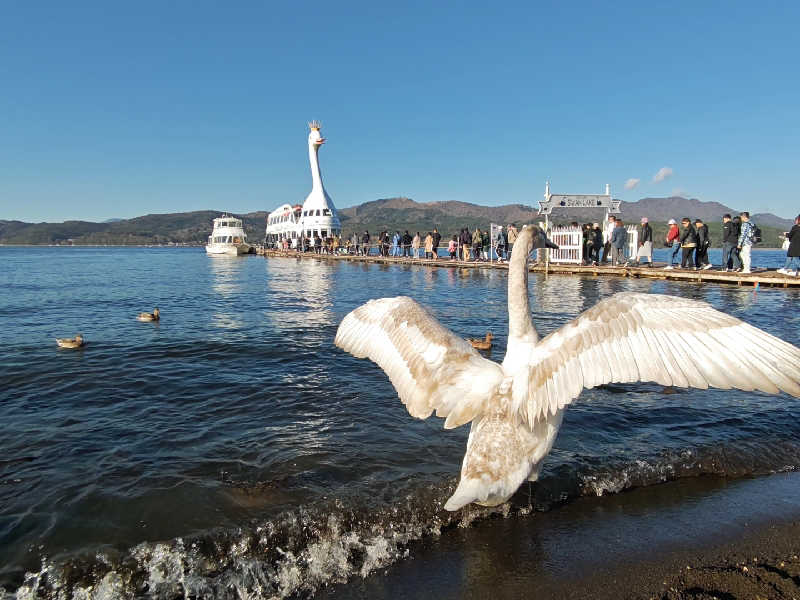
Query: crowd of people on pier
x,y
688,244
469,246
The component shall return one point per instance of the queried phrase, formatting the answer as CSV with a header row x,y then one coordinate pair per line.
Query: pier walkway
x,y
762,277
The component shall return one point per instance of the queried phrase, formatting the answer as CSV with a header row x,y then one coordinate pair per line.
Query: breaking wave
x,y
303,550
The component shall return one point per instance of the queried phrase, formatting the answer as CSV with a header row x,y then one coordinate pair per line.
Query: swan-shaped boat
x,y
317,217
76,342
516,407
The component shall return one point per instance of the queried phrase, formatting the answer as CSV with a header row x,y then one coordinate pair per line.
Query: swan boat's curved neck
x,y
520,324
316,176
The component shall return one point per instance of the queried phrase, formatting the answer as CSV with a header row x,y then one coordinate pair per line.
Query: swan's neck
x,y
520,324
316,176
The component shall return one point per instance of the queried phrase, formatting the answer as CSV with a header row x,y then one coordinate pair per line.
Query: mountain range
x,y
389,213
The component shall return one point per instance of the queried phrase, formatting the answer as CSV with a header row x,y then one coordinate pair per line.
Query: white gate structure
x,y
570,244
633,242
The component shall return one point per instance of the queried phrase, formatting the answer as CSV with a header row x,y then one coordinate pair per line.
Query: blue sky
x,y
122,109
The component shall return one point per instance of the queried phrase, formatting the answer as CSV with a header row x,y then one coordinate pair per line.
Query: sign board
x,y
552,201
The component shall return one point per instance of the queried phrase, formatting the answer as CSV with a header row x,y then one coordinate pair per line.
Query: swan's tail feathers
x,y
468,490
501,454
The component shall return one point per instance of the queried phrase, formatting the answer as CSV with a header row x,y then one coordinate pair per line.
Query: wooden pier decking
x,y
762,277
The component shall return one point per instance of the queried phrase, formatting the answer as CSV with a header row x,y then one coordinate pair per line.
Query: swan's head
x,y
526,238
315,139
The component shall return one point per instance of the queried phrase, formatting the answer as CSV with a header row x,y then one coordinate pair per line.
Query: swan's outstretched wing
x,y
430,367
648,337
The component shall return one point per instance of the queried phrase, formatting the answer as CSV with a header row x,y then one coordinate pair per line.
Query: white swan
x,y
516,408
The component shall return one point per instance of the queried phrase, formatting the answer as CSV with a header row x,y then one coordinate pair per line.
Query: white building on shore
x,y
317,217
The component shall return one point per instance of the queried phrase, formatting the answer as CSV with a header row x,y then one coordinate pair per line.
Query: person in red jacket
x,y
673,240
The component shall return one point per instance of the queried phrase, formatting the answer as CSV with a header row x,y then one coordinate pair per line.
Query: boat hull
x,y
227,249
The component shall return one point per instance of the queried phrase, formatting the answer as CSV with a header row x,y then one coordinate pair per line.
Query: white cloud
x,y
662,174
631,183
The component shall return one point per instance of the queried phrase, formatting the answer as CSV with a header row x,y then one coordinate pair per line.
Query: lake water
x,y
231,451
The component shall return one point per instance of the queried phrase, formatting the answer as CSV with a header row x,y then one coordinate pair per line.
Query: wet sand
x,y
697,538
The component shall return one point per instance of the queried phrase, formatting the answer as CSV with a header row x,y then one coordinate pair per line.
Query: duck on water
x,y
76,342
516,408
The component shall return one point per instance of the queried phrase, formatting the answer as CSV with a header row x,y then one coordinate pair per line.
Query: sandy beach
x,y
690,539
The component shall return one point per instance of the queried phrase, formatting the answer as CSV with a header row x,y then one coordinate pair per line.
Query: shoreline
x,y
705,537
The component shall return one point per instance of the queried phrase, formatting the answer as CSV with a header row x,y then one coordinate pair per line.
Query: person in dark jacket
x,y
588,243
688,241
703,242
645,249
406,243
464,240
619,238
437,237
486,244
730,236
597,246
735,256
365,243
793,253
501,243
384,243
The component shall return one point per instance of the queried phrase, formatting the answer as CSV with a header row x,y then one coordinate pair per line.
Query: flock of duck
x,y
79,341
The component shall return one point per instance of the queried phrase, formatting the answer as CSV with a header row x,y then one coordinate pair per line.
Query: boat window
x,y
326,212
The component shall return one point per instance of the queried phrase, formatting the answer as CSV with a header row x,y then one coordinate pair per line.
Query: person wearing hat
x,y
673,241
645,243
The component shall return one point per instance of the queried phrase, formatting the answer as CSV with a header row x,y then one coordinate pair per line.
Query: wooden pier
x,y
762,277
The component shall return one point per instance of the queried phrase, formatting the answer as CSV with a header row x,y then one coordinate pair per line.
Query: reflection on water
x,y
300,295
226,274
226,281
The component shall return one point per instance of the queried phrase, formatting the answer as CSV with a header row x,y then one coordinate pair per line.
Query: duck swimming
x,y
75,342
153,316
482,344
515,408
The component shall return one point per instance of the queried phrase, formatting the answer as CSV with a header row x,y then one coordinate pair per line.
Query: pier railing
x,y
569,240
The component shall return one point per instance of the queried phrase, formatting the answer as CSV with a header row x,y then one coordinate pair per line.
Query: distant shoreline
x,y
102,245
183,246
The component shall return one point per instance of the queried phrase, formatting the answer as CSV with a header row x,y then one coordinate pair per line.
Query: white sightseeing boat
x,y
228,237
317,217
283,223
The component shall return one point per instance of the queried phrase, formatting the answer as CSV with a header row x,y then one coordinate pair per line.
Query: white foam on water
x,y
301,551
